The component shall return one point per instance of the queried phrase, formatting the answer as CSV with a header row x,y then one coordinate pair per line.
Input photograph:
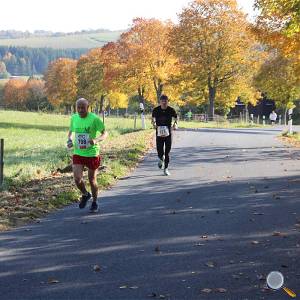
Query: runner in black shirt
x,y
162,120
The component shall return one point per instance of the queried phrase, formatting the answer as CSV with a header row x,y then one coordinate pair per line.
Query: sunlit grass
x,y
35,143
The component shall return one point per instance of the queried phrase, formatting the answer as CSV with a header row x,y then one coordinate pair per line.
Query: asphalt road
x,y
214,229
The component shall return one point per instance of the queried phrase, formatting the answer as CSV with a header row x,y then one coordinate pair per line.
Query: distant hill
x,y
57,40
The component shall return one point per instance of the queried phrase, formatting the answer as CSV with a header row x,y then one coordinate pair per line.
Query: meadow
x,y
88,40
35,143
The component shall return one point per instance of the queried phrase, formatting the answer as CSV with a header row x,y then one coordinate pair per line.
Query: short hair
x,y
164,97
82,100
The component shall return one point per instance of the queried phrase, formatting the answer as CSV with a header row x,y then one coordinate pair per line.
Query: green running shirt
x,y
85,129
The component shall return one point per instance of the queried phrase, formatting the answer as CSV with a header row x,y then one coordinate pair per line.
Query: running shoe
x,y
84,200
166,172
94,207
160,164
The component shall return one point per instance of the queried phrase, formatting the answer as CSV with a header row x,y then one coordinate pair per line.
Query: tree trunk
x,y
285,115
158,88
141,95
102,103
212,96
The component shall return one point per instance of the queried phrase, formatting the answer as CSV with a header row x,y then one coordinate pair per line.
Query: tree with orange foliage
x,y
214,43
278,28
35,94
284,13
148,66
61,80
90,77
15,94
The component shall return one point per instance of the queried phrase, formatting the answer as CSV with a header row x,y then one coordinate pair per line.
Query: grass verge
x,y
26,202
292,139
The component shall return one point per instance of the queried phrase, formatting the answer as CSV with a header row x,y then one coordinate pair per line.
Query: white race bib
x,y
163,131
82,140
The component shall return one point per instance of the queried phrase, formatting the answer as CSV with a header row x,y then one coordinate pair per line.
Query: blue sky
x,y
68,15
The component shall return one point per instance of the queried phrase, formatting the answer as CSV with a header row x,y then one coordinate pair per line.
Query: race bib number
x,y
82,140
163,131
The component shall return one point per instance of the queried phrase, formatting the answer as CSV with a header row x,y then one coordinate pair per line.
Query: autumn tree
x,y
90,77
279,80
148,64
278,27
117,100
284,13
214,43
61,83
15,94
36,95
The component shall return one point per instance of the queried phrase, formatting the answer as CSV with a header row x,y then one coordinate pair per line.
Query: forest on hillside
x,y
24,61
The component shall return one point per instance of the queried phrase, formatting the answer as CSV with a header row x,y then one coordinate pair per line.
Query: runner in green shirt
x,y
84,128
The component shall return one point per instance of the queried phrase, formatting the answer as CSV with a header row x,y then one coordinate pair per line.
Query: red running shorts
x,y
92,163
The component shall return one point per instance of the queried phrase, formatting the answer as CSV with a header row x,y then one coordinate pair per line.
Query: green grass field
x,y
35,143
88,40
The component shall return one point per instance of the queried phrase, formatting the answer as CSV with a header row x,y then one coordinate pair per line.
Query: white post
x,y
290,122
251,119
264,120
143,116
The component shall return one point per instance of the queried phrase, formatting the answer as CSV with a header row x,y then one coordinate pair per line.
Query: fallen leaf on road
x,y
221,290
210,264
261,277
152,295
96,268
123,287
206,290
255,242
52,281
134,287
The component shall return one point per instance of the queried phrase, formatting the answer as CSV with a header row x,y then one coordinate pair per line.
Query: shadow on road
x,y
171,240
